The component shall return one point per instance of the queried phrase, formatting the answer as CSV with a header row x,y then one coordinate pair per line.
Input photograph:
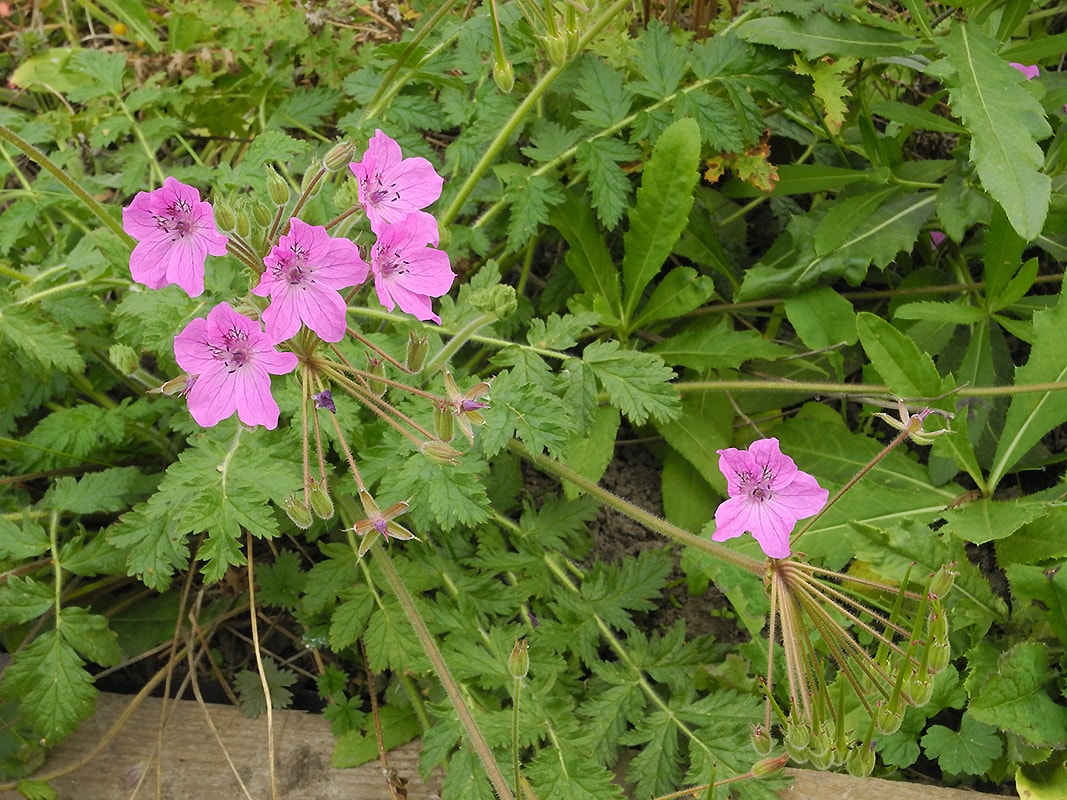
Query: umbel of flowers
x,y
309,279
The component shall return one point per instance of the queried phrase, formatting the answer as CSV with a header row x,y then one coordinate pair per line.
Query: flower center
x,y
757,486
177,220
382,192
235,352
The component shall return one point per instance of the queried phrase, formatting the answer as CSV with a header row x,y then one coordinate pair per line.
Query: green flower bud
x,y
225,219
124,358
339,156
796,739
939,627
762,741
887,718
498,300
440,453
504,75
321,502
376,367
821,760
920,689
556,48
941,582
243,226
860,761
769,766
418,347
519,660
297,512
940,655
277,187
262,215
444,423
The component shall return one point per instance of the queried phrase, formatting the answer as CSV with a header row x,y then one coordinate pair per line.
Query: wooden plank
x,y
193,764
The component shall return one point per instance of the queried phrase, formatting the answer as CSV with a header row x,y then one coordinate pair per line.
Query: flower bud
x,y
321,502
937,660
942,580
498,300
796,739
762,741
556,48
920,689
277,187
418,347
297,512
225,219
339,156
939,627
261,213
504,75
124,357
175,387
822,759
519,660
769,766
243,227
443,422
376,367
440,453
887,718
860,761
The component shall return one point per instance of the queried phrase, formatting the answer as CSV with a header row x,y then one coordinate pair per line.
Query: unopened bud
x,y
321,502
124,357
887,718
796,739
860,761
277,187
297,512
762,741
937,660
243,226
504,75
920,689
769,766
556,48
939,627
942,581
418,347
498,300
261,213
339,156
175,387
443,422
519,660
440,453
225,219
376,367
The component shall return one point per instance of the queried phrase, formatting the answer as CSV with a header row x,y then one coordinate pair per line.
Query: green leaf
x,y
110,490
713,345
249,688
986,520
1043,592
950,313
399,725
1033,414
822,318
915,117
821,35
814,178
845,215
21,542
703,428
591,455
677,293
662,210
103,69
23,599
568,774
609,186
658,63
1005,123
638,383
135,15
89,635
350,618
531,201
1037,542
55,691
909,372
1013,697
972,751
588,257
38,339
602,91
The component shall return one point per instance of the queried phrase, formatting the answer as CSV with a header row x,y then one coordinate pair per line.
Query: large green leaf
x,y
588,257
908,371
662,209
820,35
1033,414
1005,121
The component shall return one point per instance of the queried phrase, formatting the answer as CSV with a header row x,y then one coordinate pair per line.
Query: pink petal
x,y
1030,71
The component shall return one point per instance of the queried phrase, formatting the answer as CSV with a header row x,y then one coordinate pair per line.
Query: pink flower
x,y
936,238
1030,72
391,187
304,272
768,494
407,271
232,360
175,234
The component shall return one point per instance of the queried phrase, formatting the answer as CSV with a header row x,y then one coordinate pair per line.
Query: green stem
x,y
46,163
856,389
463,712
525,107
638,514
461,337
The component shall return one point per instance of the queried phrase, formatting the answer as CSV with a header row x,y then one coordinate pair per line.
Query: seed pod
x,y
504,75
339,156
920,689
860,761
277,187
940,655
769,766
224,217
519,660
376,367
556,48
261,213
440,453
942,580
418,346
321,502
297,512
443,422
887,718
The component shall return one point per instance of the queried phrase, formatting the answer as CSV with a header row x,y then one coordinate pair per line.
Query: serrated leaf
x,y
1005,123
662,209
281,582
19,542
972,751
603,93
677,293
909,372
450,495
154,544
531,201
109,490
350,618
609,186
591,455
1042,591
1033,414
821,35
588,257
390,643
638,383
713,345
828,80
249,688
703,428
846,214
23,599
89,635
986,520
50,680
822,318
659,63
38,339
305,108
1013,697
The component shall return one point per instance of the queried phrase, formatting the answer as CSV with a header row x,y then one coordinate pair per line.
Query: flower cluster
x,y
230,356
